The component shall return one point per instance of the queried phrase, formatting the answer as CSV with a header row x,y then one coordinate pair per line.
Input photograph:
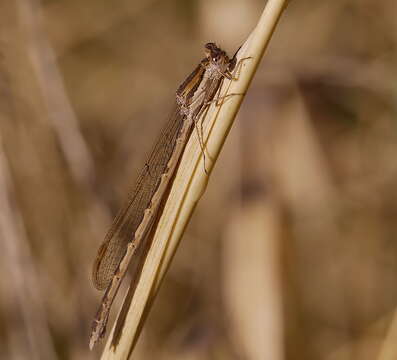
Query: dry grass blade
x,y
388,349
190,182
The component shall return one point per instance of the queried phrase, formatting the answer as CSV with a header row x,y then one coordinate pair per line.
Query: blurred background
x,y
291,253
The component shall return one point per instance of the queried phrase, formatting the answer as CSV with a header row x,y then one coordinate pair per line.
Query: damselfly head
x,y
215,54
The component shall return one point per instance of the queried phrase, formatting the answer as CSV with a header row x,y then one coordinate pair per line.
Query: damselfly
x,y
133,224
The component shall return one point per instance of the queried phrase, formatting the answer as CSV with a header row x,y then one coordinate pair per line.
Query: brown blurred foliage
x,y
290,254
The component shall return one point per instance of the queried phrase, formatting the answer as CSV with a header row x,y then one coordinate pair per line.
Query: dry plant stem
x,y
190,182
22,279
60,112
388,349
256,329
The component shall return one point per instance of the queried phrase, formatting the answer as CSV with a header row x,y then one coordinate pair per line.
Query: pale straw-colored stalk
x,y
191,180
